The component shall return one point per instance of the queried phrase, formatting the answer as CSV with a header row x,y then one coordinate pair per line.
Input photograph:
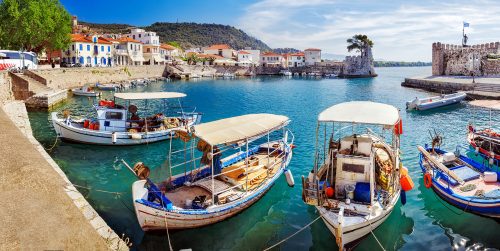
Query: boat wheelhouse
x,y
461,181
232,163
357,175
116,124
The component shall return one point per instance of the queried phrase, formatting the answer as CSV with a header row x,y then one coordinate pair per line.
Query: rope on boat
x,y
453,211
374,236
166,227
292,235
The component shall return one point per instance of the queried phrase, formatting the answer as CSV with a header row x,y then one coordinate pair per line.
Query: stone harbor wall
x,y
359,66
5,88
65,78
477,60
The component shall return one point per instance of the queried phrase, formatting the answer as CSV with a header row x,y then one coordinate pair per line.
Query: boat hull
x,y
157,218
436,102
351,234
484,207
85,94
81,135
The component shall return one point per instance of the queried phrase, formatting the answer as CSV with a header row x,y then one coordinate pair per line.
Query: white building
x,y
222,50
245,58
151,45
88,50
169,52
312,56
128,51
271,59
255,55
296,59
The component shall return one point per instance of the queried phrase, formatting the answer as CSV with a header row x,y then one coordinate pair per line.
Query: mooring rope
x,y
52,147
292,235
166,226
374,236
453,211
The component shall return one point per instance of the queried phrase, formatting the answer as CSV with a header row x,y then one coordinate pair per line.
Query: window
x,y
81,47
102,47
88,47
133,36
139,35
131,47
114,115
148,50
109,48
73,47
354,168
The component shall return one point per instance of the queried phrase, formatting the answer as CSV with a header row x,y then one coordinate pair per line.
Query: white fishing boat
x,y
208,187
435,102
228,75
286,73
356,181
107,87
85,91
118,125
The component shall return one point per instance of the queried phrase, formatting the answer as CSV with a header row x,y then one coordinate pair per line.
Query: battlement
x,y
486,46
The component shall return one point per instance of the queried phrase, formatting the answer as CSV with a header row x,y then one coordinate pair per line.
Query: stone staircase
x,y
41,96
487,87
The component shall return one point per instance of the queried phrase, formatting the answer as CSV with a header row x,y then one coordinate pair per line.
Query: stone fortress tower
x,y
359,66
477,60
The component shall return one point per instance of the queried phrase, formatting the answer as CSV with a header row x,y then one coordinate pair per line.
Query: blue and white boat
x,y
461,181
107,87
435,102
205,188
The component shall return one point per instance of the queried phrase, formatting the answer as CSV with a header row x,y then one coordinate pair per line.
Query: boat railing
x,y
496,162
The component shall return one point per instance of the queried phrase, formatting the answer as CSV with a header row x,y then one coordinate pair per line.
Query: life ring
x,y
427,180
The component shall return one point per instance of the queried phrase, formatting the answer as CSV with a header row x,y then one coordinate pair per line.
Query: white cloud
x,y
400,31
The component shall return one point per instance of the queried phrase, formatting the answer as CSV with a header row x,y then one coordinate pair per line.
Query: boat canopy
x,y
148,95
237,129
361,112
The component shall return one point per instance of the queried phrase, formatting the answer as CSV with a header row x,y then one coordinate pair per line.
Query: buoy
x,y
427,180
477,150
405,180
86,123
289,178
329,192
91,126
113,137
292,146
403,197
491,161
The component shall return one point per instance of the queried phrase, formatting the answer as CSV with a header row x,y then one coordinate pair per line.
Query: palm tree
x,y
359,43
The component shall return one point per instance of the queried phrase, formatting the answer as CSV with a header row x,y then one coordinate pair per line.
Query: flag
x,y
466,24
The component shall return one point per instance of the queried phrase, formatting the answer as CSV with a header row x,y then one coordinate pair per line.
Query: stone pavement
x,y
40,208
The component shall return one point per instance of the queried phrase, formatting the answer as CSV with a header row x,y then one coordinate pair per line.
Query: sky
x,y
400,30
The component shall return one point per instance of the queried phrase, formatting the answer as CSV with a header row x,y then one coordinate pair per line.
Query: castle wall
x,y
448,59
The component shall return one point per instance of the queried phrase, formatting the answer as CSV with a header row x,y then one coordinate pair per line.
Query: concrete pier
x,y
41,209
483,88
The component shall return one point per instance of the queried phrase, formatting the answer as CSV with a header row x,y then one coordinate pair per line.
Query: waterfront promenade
x,y
39,210
483,88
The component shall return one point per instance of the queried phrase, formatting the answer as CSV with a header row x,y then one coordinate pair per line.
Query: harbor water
x,y
425,222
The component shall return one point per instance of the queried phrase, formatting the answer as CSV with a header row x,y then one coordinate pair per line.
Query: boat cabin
x,y
355,168
112,119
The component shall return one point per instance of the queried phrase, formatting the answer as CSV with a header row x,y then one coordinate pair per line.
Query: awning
x,y
148,95
237,129
362,112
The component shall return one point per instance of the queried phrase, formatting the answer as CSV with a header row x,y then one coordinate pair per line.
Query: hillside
x,y
190,34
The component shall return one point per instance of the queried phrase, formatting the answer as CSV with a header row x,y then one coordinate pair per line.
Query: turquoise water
x,y
423,223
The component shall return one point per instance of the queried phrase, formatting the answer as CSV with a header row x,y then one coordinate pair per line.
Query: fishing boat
x,y
117,125
106,87
461,181
435,102
286,73
357,177
85,91
486,142
207,187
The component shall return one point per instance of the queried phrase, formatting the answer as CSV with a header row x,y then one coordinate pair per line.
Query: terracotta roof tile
x,y
243,52
167,47
270,53
219,47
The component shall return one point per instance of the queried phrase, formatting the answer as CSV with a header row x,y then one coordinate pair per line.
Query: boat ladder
x,y
310,192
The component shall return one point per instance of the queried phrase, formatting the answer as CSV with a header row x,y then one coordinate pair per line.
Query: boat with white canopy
x,y
226,166
124,124
357,175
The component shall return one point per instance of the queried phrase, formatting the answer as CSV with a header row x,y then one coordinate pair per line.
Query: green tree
x,y
34,25
175,44
359,43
